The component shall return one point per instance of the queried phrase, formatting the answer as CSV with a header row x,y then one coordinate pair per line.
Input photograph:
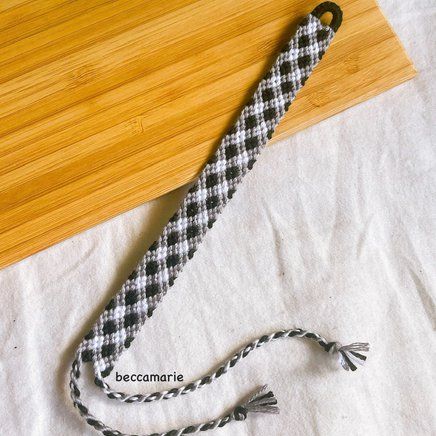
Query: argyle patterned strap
x,y
135,302
125,314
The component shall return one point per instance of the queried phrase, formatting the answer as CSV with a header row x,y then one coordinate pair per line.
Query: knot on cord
x,y
240,413
349,355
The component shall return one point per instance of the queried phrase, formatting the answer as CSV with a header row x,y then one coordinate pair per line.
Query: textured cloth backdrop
x,y
333,231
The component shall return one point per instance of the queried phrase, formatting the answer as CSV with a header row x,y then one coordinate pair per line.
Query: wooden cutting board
x,y
107,104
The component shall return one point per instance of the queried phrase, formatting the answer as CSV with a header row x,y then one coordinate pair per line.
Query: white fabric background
x,y
334,231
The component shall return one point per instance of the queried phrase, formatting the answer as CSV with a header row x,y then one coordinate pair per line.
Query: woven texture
x,y
135,302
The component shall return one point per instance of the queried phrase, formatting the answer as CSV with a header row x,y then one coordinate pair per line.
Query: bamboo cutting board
x,y
107,104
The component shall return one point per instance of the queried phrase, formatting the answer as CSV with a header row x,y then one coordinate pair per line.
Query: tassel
x,y
260,402
349,355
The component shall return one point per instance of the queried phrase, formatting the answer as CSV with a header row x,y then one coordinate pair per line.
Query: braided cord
x,y
261,402
210,378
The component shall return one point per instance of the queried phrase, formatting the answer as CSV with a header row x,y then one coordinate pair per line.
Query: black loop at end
x,y
334,9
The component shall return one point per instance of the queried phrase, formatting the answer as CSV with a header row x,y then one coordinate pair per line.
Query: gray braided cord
x,y
349,356
225,367
125,314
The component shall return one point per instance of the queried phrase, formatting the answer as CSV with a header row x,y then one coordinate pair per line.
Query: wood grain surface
x,y
107,104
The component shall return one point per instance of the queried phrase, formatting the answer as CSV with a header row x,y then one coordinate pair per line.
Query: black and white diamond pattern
x,y
135,302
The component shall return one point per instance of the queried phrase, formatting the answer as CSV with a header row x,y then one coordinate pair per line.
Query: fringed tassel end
x,y
260,402
350,356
